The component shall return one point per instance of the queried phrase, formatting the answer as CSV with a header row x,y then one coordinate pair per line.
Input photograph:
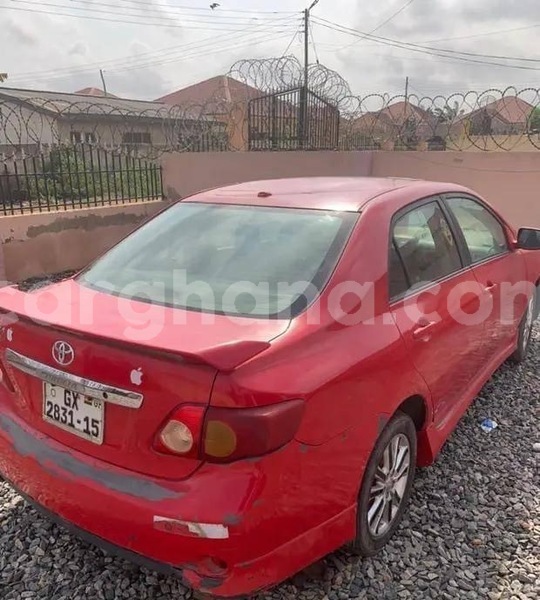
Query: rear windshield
x,y
226,259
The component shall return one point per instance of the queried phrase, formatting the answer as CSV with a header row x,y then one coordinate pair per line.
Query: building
x,y
222,99
400,125
31,119
507,116
213,97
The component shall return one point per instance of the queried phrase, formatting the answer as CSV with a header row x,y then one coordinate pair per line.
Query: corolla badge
x,y
63,353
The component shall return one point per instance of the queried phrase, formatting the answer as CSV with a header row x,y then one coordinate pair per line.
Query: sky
x,y
148,48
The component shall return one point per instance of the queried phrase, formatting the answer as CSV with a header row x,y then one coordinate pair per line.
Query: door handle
x,y
423,330
491,287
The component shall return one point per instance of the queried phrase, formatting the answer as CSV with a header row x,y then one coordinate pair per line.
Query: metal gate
x,y
293,120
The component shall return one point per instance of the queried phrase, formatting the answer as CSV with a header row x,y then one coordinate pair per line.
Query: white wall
x,y
21,127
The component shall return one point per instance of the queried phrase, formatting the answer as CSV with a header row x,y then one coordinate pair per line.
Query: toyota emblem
x,y
63,353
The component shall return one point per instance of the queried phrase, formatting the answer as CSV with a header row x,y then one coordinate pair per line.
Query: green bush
x,y
76,174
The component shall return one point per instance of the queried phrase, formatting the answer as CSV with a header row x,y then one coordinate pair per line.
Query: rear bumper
x,y
86,536
269,535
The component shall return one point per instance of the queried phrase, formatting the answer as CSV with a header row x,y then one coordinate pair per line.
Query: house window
x,y
136,137
76,137
90,137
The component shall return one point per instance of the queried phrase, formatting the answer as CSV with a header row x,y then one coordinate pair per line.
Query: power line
x,y
209,10
380,25
485,34
197,54
167,23
177,54
423,47
392,16
205,42
313,43
295,35
440,52
209,16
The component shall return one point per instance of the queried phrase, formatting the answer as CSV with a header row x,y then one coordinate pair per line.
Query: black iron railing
x,y
292,120
77,176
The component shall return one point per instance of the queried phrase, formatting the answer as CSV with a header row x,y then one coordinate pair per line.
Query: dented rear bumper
x,y
228,530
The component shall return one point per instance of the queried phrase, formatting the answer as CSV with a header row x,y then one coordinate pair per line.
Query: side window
x,y
483,233
425,246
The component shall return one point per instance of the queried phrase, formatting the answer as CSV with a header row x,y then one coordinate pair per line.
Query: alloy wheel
x,y
389,485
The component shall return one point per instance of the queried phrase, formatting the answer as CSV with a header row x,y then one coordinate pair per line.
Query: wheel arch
x,y
417,407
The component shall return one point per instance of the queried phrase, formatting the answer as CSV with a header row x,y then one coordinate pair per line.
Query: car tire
x,y
525,331
379,511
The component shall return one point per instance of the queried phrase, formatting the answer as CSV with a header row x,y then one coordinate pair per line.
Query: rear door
x,y
434,297
499,271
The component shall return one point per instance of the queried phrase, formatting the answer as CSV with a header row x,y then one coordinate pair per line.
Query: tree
x,y
534,120
447,114
3,77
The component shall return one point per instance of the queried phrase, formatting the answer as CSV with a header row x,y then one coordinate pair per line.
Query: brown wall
x,y
509,180
190,172
53,242
49,243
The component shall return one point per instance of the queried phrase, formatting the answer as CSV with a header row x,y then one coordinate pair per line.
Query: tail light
x,y
182,432
224,435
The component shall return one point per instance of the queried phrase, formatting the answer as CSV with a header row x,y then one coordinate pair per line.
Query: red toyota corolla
x,y
249,380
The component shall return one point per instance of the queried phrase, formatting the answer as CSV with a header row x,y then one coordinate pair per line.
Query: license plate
x,y
73,412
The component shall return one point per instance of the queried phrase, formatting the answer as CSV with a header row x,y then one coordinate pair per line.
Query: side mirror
x,y
529,239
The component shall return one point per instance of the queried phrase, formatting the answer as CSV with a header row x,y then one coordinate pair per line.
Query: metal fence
x,y
295,119
76,176
262,105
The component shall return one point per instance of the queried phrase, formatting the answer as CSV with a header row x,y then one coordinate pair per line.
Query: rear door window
x,y
426,247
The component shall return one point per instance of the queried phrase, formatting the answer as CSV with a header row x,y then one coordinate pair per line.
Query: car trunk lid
x,y
157,356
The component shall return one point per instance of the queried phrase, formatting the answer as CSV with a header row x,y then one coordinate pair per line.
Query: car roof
x,y
324,193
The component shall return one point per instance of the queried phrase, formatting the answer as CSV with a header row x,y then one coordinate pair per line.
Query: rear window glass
x,y
226,259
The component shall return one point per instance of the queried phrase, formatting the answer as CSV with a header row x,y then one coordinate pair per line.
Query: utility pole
x,y
306,47
304,130
103,82
406,90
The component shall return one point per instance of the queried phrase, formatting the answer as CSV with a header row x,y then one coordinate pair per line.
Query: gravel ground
x,y
473,529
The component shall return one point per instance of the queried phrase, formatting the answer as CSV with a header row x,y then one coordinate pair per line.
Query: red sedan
x,y
248,381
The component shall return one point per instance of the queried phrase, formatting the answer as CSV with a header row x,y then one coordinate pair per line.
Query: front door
x,y
434,300
499,271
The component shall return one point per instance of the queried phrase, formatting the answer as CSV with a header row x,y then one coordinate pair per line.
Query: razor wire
x,y
263,104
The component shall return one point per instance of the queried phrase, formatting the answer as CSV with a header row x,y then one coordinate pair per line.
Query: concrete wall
x,y
495,143
509,180
190,172
53,242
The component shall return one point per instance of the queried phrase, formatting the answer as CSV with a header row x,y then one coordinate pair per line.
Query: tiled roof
x,y
511,109
96,92
59,103
212,93
399,112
